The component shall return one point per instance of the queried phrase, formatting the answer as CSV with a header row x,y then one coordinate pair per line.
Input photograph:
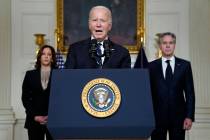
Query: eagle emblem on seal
x,y
101,97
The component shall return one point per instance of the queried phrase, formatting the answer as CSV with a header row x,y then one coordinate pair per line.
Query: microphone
x,y
107,50
93,46
93,49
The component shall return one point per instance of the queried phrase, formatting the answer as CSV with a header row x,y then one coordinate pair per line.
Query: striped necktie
x,y
99,54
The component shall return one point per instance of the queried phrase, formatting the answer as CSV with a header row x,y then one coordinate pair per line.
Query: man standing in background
x,y
172,92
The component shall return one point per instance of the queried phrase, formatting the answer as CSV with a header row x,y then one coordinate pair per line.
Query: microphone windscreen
x,y
93,41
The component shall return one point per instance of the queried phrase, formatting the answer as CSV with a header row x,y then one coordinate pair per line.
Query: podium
x,y
68,119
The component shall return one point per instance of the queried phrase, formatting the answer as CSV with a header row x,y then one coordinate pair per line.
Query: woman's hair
x,y
38,57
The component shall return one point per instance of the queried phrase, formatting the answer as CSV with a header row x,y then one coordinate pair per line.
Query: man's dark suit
x,y
175,101
35,100
79,56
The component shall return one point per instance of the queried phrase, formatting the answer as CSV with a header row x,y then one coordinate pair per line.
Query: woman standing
x,y
35,94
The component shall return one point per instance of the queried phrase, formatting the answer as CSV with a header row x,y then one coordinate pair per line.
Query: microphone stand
x,y
92,50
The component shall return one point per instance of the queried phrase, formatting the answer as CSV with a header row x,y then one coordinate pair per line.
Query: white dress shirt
x,y
102,51
164,64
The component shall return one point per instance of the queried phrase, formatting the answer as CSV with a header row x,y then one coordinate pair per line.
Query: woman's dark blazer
x,y
34,98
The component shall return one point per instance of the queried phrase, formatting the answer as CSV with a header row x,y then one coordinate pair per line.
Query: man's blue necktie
x,y
99,54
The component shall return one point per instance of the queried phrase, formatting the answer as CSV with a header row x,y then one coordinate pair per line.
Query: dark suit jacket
x,y
174,102
79,57
34,98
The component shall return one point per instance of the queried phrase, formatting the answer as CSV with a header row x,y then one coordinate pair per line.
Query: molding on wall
x,y
7,116
202,114
7,122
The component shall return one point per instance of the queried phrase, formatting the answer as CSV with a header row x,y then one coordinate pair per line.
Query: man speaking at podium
x,y
98,51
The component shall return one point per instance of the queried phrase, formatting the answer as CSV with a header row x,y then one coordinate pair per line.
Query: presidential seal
x,y
101,97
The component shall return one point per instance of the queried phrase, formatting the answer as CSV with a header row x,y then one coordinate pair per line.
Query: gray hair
x,y
102,7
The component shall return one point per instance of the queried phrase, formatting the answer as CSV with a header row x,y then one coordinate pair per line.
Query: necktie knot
x,y
168,62
99,44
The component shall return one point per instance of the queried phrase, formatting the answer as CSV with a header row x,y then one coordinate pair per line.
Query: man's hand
x,y
187,124
41,119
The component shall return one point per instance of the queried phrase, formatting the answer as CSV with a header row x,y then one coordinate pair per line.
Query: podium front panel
x,y
67,119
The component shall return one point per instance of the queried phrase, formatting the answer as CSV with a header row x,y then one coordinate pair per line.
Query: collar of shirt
x,y
164,64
